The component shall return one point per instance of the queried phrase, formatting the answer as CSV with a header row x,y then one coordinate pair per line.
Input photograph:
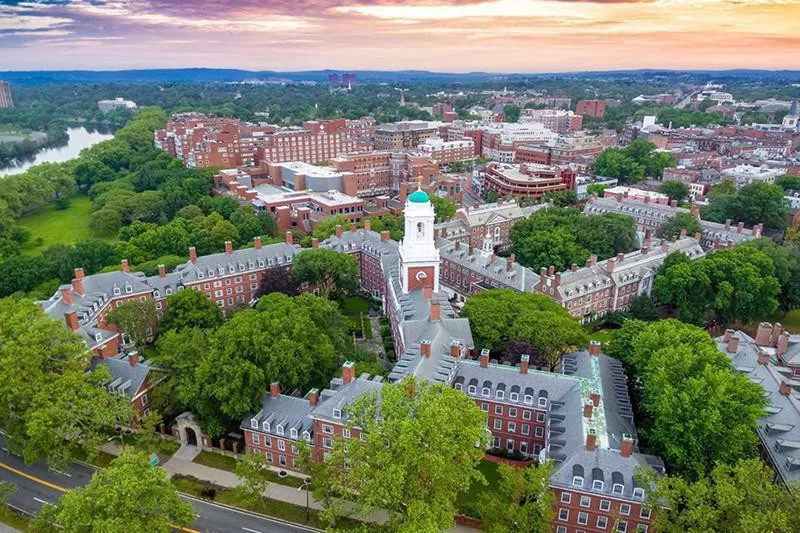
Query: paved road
x,y
37,485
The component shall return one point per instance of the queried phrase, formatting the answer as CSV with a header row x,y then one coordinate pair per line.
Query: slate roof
x,y
340,395
242,260
125,378
288,412
519,277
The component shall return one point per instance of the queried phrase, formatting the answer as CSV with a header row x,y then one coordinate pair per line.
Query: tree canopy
x,y
444,208
676,190
679,222
755,203
500,317
385,470
188,309
521,502
135,318
633,163
329,271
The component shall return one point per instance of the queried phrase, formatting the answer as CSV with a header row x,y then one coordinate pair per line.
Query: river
x,y
79,138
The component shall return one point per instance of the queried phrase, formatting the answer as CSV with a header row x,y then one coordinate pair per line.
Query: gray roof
x,y
288,412
243,260
518,277
779,431
504,211
125,378
341,395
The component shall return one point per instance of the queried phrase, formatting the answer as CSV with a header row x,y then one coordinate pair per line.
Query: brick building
x,y
404,135
593,108
443,152
470,224
529,180
6,102
557,120
131,376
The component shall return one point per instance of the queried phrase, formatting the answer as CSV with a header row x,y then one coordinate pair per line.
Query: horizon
x,y
443,36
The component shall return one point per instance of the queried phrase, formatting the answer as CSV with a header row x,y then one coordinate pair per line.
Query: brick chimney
x,y
557,279
573,267
274,389
484,358
289,238
77,283
436,311
782,344
368,225
425,348
785,389
610,265
228,247
763,358
777,329
348,372
524,362
313,397
314,243
683,233
338,231
733,344
673,203
457,245
78,273
698,236
739,227
162,271
133,358
71,319
385,237
728,334
257,243
763,334
594,347
728,224
509,264
427,293
591,440
124,265
595,397
66,294
592,260
551,270
587,410
455,349
626,446
193,254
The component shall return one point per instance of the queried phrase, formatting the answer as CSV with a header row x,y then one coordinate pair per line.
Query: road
x,y
37,485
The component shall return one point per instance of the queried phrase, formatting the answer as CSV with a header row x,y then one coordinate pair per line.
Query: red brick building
x,y
594,108
530,180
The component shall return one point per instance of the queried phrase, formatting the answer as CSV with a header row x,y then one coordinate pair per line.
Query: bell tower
x,y
419,257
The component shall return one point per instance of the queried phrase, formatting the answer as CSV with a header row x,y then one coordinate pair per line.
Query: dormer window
x,y
169,291
293,433
254,423
265,426
241,267
597,484
200,275
117,291
157,294
485,392
500,395
250,264
514,397
528,399
542,402
458,386
638,492
618,488
577,481
306,435
279,429
261,262
98,337
337,413
231,269
472,389
128,289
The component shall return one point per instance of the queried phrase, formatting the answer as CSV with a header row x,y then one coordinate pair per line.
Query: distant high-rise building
x,y
333,80
6,102
349,79
594,108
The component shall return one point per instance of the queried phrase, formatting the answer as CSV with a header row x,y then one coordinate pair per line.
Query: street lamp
x,y
305,485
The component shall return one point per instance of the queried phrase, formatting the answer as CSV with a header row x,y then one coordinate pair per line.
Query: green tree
x,y
739,498
643,308
135,318
511,112
179,353
787,270
128,495
755,203
444,208
499,317
522,501
254,473
384,469
327,227
676,190
679,222
7,489
190,309
330,272
788,183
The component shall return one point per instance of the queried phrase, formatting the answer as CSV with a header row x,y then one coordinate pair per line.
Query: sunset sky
x,y
441,35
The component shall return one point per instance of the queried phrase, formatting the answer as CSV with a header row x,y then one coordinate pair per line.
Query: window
x,y
641,528
485,392
500,395
458,386
498,424
597,484
293,433
644,513
563,515
586,501
602,522
512,427
254,423
144,399
117,292
566,497
540,432
526,415
638,492
282,460
256,440
605,505
542,402
327,429
337,413
514,396
577,481
265,426
617,488
346,433
512,412
279,429
540,417
561,529
472,389
269,457
327,443
523,447
624,509
510,445
498,409
282,445
583,518
485,407
622,526
526,429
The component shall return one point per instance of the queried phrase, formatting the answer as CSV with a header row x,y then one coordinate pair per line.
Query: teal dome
x,y
419,197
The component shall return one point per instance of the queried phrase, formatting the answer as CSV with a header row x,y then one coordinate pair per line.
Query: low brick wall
x,y
503,460
467,521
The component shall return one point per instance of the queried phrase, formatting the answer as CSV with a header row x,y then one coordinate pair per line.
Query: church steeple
x,y
419,258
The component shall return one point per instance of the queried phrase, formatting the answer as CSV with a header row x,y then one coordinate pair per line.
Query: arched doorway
x,y
188,432
191,437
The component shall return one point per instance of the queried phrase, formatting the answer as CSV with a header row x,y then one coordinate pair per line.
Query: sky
x,y
439,35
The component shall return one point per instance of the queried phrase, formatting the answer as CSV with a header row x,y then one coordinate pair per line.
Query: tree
x,y
254,473
7,489
135,318
736,284
179,353
561,198
755,203
511,112
521,502
788,183
499,317
128,495
444,208
697,410
787,270
678,223
676,190
384,469
738,498
643,308
190,309
328,271
633,163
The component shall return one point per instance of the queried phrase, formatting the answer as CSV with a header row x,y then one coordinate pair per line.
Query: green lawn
x,y
13,519
52,226
466,501
602,335
226,462
354,305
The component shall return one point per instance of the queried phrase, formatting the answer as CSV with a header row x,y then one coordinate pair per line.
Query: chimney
x,y
436,311
124,265
626,447
385,237
425,348
71,319
592,260
683,233
133,358
162,271
591,440
524,362
457,245
620,257
352,227
733,344
763,334
673,203
313,397
257,243
512,258
594,347
595,398
228,247
493,260
557,279
757,230
728,224
785,389
542,272
289,238
484,358
698,236
192,254
587,410
776,333
368,225
728,334
274,389
314,243
78,273
77,284
695,212
551,270
348,372
427,293
338,231
763,358
739,227
66,294
782,343
455,349
573,267
610,265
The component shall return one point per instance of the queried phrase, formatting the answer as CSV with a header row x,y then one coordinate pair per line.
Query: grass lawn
x,y
13,519
466,501
602,335
226,462
100,460
354,305
50,226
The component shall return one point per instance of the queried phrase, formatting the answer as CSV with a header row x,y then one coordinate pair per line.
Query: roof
x,y
279,415
125,378
419,196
